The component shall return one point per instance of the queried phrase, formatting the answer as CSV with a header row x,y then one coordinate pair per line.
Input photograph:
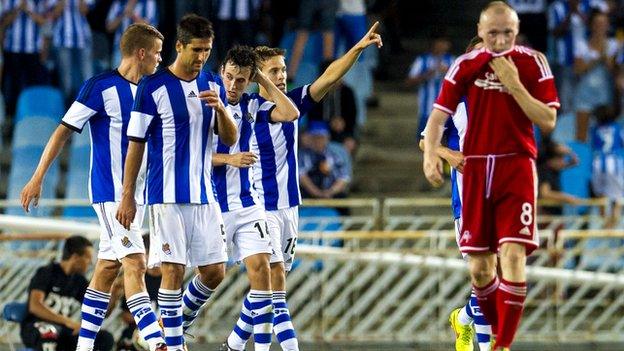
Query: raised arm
x,y
285,110
32,189
341,66
127,208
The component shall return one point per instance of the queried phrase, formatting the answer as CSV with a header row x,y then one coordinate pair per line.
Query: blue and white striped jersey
x,y
23,35
564,45
455,131
234,185
71,29
608,148
428,90
178,128
237,10
105,101
276,174
144,9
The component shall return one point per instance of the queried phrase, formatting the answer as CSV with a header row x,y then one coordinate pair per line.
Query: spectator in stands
x,y
122,14
55,295
594,63
339,110
532,15
21,22
554,158
567,26
607,140
325,10
427,72
72,40
324,167
235,24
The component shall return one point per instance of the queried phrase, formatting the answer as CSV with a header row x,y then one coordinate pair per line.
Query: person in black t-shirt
x,y
55,296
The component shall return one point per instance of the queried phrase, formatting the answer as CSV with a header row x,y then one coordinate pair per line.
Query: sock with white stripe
x,y
195,296
465,315
243,328
483,330
93,312
141,309
170,303
262,316
282,325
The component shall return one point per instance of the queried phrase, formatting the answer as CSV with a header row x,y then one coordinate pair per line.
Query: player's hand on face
x,y
212,99
31,192
259,77
126,212
243,159
456,160
371,38
432,166
506,71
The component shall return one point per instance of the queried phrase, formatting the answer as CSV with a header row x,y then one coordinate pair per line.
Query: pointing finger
x,y
373,28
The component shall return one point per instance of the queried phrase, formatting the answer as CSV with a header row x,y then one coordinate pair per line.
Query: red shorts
x,y
499,196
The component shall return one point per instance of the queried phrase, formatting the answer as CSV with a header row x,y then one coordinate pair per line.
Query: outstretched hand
x,y
370,38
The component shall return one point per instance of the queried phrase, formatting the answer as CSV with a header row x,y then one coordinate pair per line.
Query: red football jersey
x,y
496,123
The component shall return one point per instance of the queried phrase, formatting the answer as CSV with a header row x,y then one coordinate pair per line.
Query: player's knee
x,y
512,256
134,266
105,273
212,275
482,274
172,275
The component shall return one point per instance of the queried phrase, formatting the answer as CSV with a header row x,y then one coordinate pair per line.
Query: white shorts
x,y
284,227
188,234
115,241
247,232
458,235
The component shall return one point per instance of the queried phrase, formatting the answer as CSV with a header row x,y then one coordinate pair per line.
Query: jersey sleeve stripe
x,y
554,104
74,128
443,109
450,75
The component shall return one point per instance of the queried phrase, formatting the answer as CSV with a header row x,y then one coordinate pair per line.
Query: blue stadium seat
x,y
78,175
324,214
30,138
15,312
40,101
39,110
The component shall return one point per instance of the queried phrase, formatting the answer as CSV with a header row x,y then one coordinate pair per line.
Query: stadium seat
x,y
40,101
318,219
78,175
39,110
15,312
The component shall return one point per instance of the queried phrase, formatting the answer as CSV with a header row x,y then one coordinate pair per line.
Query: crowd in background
x,y
584,43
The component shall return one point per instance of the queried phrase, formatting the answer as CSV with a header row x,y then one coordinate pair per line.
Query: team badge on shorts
x,y
166,249
126,242
466,236
249,117
525,231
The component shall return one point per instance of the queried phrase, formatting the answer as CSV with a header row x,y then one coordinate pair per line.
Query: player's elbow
x,y
547,124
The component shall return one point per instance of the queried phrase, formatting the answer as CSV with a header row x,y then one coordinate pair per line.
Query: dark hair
x,y
191,27
242,56
138,36
473,42
75,245
264,52
605,114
